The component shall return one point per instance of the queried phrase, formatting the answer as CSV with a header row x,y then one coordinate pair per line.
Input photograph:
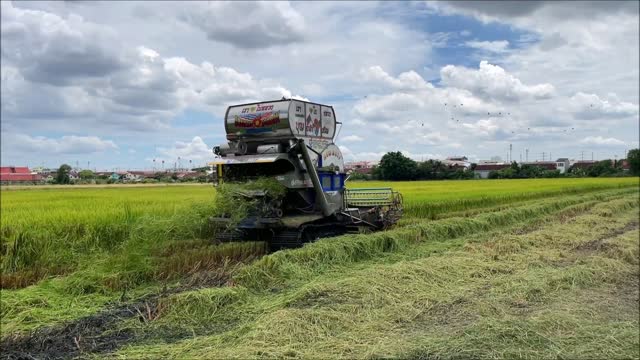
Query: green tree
x,y
633,157
376,174
86,174
396,166
602,168
62,176
426,170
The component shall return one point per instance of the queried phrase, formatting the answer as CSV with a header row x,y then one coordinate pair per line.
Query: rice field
x,y
494,269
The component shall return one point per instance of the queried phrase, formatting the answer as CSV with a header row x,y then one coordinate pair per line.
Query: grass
x,y
465,261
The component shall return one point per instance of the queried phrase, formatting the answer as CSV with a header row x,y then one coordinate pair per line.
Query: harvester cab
x,y
291,141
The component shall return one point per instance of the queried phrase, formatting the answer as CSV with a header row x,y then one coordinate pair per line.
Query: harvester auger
x,y
291,141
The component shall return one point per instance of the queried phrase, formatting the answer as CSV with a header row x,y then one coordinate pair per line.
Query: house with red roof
x,y
18,175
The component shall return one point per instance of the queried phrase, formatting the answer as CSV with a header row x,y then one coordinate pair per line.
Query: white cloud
x,y
376,156
196,150
59,74
528,13
422,156
247,24
65,145
492,81
346,152
591,106
578,46
407,80
601,141
490,46
163,68
53,50
406,107
351,138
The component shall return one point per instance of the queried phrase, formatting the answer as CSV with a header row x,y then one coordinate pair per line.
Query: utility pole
x,y
510,153
549,155
592,156
526,156
582,155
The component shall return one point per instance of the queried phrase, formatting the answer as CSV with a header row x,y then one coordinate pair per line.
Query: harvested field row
x,y
529,294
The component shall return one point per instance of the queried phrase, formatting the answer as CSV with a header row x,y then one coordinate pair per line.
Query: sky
x,y
109,85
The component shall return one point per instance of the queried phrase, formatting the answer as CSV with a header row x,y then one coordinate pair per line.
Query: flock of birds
x,y
498,114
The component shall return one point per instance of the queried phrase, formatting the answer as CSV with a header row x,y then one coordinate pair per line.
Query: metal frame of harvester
x,y
292,141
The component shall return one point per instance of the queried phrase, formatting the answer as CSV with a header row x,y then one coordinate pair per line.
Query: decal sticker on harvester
x,y
257,122
332,156
281,119
313,124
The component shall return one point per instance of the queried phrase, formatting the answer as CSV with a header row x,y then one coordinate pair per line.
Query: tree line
x,y
397,166
86,176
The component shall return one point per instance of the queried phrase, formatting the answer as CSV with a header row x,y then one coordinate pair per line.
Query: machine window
x,y
326,182
336,182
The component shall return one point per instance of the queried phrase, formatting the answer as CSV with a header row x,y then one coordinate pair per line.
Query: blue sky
x,y
119,85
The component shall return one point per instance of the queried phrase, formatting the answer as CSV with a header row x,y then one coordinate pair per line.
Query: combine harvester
x,y
291,141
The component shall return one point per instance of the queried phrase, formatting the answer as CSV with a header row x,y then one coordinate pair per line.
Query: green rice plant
x,y
48,232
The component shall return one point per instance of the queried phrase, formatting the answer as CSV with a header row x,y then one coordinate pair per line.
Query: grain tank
x,y
292,141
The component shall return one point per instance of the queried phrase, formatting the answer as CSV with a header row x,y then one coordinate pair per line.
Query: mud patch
x,y
85,335
99,333
601,244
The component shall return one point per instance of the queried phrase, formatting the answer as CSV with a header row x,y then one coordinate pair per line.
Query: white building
x,y
562,165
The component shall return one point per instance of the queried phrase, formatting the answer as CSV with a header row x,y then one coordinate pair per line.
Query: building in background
x,y
362,167
18,175
562,164
625,165
583,164
482,170
547,165
457,162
